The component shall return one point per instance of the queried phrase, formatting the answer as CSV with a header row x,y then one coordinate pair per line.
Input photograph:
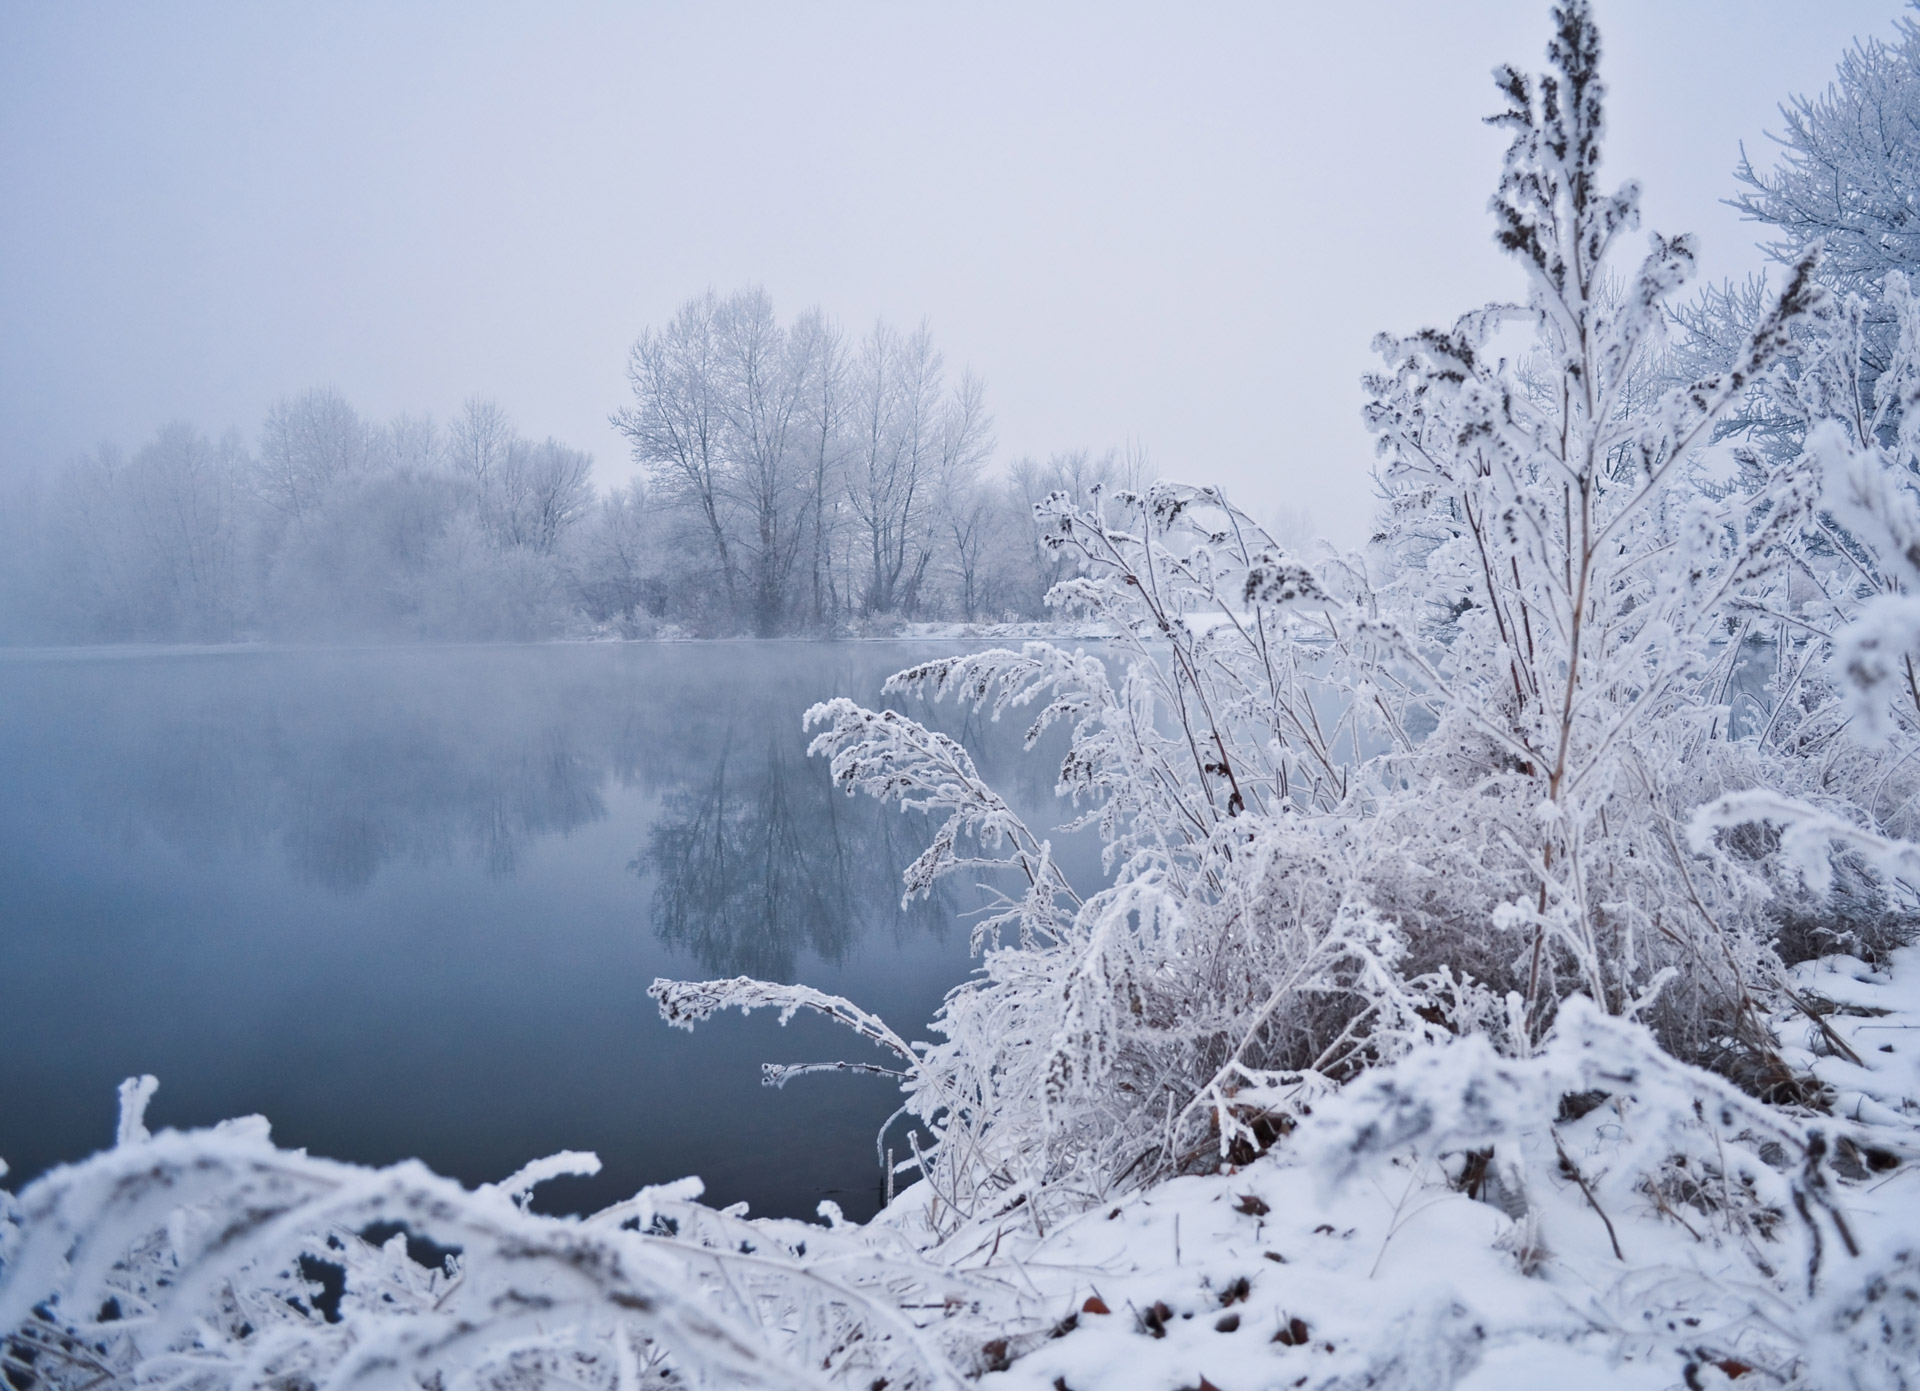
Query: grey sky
x,y
1175,225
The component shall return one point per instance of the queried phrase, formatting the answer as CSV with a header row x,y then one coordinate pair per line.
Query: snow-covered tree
x,y
720,421
307,444
1848,173
913,445
1844,182
152,547
810,483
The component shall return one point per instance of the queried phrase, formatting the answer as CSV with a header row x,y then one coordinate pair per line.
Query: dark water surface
x,y
407,902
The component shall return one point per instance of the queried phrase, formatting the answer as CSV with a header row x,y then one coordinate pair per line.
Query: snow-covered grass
x,y
1359,1251
214,1259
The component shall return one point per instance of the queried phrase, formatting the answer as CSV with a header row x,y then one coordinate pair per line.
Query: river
x,y
406,902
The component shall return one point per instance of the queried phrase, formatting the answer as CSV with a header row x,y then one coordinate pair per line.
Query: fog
x,y
1170,230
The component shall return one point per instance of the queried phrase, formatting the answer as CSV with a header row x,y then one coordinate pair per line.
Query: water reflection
x,y
762,857
353,761
350,810
346,762
408,901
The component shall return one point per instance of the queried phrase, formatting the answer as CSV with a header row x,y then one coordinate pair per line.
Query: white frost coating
x,y
1633,1222
1352,805
566,1164
190,1258
1807,835
1876,654
1452,1220
1356,808
1862,446
685,1003
135,1093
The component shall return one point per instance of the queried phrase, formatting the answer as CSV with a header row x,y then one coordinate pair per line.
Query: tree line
x,y
790,480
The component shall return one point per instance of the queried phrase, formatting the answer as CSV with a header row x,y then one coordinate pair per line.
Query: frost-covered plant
x,y
1701,1203
213,1259
1575,612
1829,639
1846,176
1108,1033
1470,855
1834,634
1832,638
1843,182
1865,445
1345,813
1588,606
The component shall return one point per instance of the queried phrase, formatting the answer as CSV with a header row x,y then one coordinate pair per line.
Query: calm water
x,y
407,902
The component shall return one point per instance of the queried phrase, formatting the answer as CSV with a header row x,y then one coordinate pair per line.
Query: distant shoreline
x,y
919,633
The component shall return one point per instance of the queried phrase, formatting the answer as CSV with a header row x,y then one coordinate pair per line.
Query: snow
x,y
1519,1367
1403,1281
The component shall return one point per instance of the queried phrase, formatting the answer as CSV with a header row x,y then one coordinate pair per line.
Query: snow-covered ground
x,y
1280,1274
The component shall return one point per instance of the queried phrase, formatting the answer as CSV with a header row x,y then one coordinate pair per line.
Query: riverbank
x,y
1597,1216
1605,1242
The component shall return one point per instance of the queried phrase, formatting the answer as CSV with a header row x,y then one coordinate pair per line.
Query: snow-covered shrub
x,y
1832,632
1108,1033
1828,641
1697,1216
1347,811
213,1259
1568,608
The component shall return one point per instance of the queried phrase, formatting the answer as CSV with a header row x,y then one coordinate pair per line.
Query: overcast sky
x,y
1175,225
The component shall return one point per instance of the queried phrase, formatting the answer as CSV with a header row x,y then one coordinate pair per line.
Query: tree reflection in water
x,y
348,762
383,895
761,858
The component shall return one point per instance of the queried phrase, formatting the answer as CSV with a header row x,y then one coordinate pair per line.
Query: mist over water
x,y
406,902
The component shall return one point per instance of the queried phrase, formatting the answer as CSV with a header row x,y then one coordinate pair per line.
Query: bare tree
x,y
892,477
768,375
152,544
824,444
307,444
676,423
410,444
618,563
970,517
976,520
479,442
